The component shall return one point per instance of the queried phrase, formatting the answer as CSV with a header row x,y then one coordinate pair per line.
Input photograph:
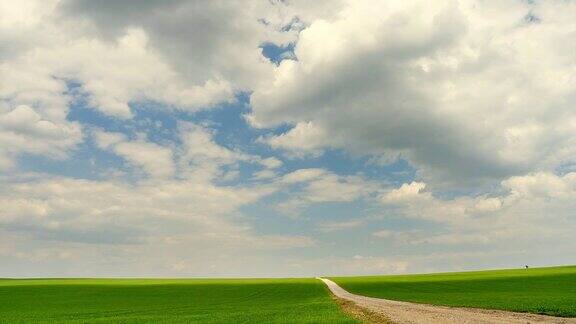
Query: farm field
x,y
167,301
550,291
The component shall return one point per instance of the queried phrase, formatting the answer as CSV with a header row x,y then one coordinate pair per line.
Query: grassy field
x,y
167,301
540,290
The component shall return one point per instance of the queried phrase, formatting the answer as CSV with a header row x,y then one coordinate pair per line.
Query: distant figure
x,y
526,266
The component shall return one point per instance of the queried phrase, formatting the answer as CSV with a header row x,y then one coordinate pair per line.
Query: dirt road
x,y
405,312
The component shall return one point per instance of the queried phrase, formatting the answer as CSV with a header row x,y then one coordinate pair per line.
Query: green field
x,y
540,290
167,301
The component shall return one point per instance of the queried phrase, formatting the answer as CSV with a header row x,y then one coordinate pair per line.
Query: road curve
x,y
406,312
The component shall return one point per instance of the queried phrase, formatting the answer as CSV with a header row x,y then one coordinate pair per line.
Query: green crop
x,y
167,301
549,291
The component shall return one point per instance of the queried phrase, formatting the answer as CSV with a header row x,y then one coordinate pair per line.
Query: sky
x,y
266,138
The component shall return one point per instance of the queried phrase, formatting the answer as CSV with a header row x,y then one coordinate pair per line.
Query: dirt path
x,y
406,312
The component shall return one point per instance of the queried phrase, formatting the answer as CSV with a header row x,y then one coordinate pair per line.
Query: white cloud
x,y
81,210
201,157
133,72
543,185
488,205
119,53
265,174
24,130
332,187
465,90
302,175
462,91
383,233
199,146
314,186
529,212
321,185
197,157
106,140
302,140
131,229
338,226
355,265
407,192
156,160
271,163
213,45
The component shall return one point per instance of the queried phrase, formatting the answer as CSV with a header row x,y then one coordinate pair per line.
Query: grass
x,y
549,291
540,290
167,301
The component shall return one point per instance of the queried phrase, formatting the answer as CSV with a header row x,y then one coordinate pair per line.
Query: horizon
x,y
316,277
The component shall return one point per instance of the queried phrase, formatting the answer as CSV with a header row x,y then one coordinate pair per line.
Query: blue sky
x,y
267,138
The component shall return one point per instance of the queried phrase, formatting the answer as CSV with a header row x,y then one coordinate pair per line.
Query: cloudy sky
x,y
285,138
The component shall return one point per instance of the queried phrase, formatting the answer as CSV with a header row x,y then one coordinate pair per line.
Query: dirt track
x,y
405,312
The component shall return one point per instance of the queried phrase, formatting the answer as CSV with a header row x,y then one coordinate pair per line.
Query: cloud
x,y
313,186
61,205
541,185
354,265
157,161
270,166
53,51
304,139
271,163
114,226
321,185
407,192
175,205
201,157
458,88
23,130
302,175
194,155
450,92
477,96
133,73
199,146
216,40
338,226
117,53
531,210
383,233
